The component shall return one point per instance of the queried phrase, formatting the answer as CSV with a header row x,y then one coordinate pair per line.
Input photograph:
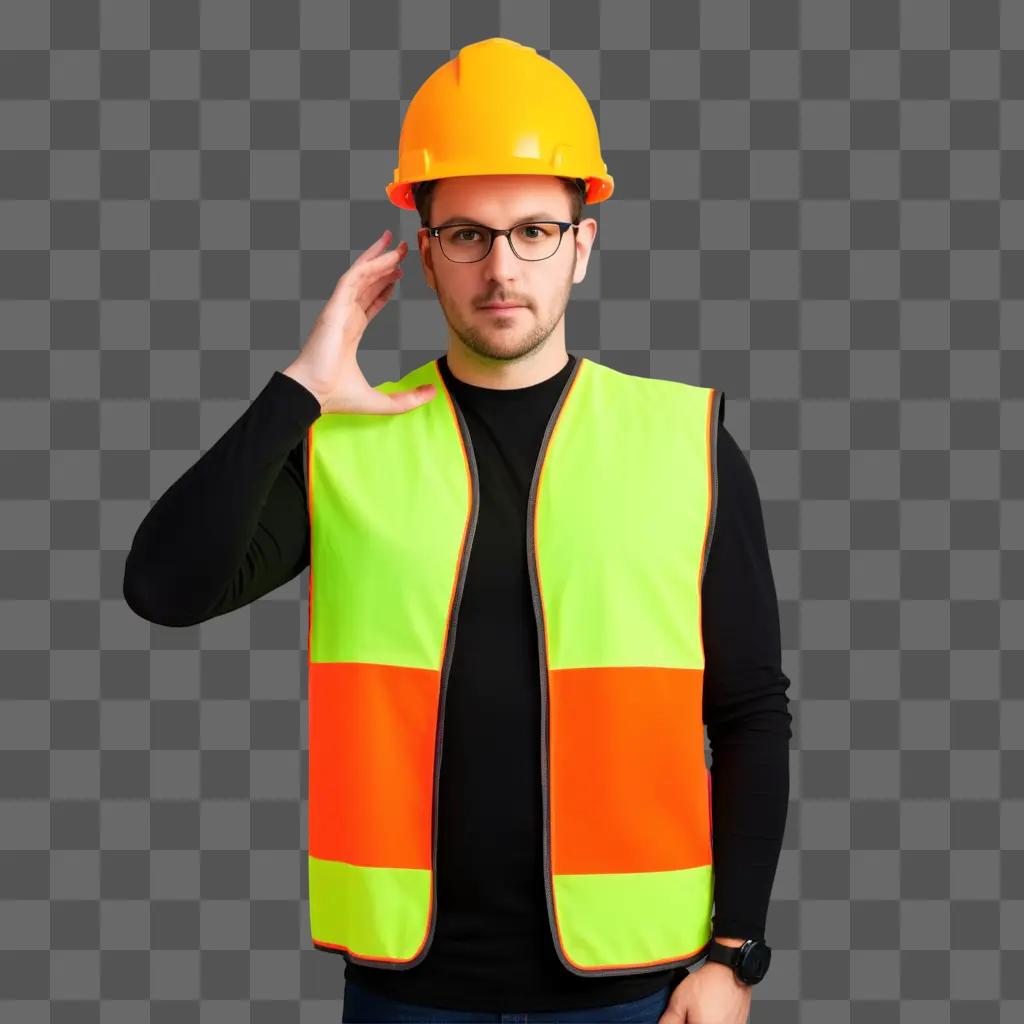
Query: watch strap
x,y
720,953
748,961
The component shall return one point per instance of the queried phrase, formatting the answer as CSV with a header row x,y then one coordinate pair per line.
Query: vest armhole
x,y
305,463
719,397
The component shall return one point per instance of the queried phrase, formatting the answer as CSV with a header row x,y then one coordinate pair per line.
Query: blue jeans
x,y
359,1004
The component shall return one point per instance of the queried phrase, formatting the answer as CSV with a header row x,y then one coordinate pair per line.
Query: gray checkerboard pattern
x,y
819,208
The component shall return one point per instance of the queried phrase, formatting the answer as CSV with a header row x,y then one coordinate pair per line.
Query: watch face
x,y
754,963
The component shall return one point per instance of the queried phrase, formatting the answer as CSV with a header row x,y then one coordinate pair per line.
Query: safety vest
x,y
620,517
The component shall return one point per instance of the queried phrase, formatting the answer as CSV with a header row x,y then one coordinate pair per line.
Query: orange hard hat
x,y
499,107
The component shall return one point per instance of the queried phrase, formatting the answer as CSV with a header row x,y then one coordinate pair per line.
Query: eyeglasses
x,y
534,240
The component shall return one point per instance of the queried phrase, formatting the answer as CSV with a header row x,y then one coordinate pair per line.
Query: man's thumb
x,y
403,401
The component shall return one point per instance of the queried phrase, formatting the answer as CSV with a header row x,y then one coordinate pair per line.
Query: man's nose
x,y
501,254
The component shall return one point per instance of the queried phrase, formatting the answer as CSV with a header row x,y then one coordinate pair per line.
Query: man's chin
x,y
500,346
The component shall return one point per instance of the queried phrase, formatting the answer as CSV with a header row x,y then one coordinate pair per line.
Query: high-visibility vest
x,y
619,523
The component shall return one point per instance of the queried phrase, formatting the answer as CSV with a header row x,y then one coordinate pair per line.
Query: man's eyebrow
x,y
543,215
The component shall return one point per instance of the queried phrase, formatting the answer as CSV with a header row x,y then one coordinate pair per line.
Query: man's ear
x,y
584,242
426,257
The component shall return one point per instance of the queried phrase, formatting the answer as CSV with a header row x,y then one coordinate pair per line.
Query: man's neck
x,y
501,375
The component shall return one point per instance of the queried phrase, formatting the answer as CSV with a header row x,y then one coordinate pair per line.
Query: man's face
x,y
541,287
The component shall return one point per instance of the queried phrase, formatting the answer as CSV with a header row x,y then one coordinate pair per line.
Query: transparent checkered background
x,y
818,208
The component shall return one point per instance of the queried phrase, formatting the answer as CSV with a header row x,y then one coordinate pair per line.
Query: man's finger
x,y
359,276
675,1012
374,247
379,264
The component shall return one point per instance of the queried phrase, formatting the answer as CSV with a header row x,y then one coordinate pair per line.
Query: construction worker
x,y
541,573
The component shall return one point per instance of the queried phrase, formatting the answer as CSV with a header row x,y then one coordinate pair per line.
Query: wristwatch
x,y
749,961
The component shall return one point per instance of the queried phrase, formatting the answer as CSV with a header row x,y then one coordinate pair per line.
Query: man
x,y
496,938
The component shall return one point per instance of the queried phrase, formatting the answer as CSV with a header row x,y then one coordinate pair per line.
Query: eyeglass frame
x,y
563,226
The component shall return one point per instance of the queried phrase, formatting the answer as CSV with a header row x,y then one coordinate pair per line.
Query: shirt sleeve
x,y
744,702
235,525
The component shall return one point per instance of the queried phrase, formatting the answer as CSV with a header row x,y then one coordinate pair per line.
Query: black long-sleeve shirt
x,y
235,527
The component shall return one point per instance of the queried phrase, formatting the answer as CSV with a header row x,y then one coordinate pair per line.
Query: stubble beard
x,y
502,342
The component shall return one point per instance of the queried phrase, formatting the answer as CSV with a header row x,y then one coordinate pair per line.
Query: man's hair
x,y
423,192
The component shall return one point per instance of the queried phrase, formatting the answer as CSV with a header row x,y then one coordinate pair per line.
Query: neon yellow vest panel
x,y
620,519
